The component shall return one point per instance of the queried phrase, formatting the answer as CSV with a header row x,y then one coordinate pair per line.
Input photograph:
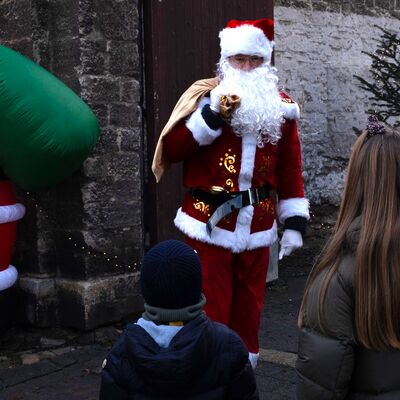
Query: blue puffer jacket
x,y
204,360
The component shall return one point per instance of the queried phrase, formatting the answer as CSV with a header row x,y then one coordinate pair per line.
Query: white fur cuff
x,y
295,207
11,213
8,277
290,110
202,133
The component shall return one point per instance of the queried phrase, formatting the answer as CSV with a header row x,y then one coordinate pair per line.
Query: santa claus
x,y
10,212
237,137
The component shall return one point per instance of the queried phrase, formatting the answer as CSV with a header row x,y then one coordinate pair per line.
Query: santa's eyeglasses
x,y
243,59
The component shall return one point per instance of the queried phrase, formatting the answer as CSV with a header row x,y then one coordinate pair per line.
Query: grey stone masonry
x,y
16,25
80,242
361,7
317,55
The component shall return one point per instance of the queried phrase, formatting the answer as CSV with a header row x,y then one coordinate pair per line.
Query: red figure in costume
x,y
236,135
10,212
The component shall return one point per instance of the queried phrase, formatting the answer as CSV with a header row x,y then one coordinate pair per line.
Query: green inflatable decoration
x,y
46,130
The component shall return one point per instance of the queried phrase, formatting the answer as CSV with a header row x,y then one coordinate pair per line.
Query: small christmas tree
x,y
385,71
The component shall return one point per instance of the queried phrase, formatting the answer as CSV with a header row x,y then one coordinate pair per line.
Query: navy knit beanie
x,y
171,275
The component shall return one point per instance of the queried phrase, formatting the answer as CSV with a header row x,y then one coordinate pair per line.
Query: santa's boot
x,y
10,212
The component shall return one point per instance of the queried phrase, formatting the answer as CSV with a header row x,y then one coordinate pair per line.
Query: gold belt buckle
x,y
218,189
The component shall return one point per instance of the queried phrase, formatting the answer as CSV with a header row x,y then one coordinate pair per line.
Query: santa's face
x,y
245,62
255,82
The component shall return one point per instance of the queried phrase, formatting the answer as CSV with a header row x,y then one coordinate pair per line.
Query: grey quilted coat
x,y
332,365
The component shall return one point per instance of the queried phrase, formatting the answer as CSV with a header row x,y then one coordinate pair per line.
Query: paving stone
x,y
275,382
49,342
29,359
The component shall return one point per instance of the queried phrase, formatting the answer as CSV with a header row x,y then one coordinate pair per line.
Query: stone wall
x,y
80,242
319,48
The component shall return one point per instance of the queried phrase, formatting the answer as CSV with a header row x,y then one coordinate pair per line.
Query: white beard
x,y
260,112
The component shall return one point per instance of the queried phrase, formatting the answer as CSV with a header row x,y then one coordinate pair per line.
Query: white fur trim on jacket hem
x,y
202,133
237,241
295,207
11,213
8,277
290,110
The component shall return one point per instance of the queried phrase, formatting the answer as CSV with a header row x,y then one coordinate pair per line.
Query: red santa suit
x,y
10,212
235,255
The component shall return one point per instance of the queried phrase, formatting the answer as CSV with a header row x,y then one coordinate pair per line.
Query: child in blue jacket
x,y
175,351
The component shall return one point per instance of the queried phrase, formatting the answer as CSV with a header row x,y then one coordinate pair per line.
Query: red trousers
x,y
234,285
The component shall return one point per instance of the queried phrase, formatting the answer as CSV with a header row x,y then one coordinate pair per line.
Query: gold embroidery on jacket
x,y
202,207
267,206
228,162
264,167
229,183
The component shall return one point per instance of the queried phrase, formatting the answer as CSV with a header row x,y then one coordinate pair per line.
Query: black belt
x,y
226,202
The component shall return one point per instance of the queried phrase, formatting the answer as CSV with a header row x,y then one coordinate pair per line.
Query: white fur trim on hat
x,y
245,39
295,207
8,277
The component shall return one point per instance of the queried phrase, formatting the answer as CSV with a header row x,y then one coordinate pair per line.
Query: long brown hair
x,y
372,191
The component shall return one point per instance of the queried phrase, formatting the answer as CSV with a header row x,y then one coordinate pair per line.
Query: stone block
x,y
38,286
119,140
130,91
89,304
112,209
330,6
41,312
100,252
385,4
15,19
65,56
93,56
118,20
23,46
109,168
124,58
125,115
100,89
101,112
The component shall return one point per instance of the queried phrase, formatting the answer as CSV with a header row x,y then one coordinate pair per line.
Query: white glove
x,y
215,98
291,240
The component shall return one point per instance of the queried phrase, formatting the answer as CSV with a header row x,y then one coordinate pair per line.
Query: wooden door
x,y
181,45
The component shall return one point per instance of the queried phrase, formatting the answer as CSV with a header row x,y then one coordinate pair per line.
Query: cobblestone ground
x,y
65,365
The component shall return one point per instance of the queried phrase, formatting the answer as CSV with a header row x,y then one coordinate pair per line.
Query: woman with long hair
x,y
349,343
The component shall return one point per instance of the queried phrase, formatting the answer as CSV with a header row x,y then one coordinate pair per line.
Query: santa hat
x,y
10,212
248,37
